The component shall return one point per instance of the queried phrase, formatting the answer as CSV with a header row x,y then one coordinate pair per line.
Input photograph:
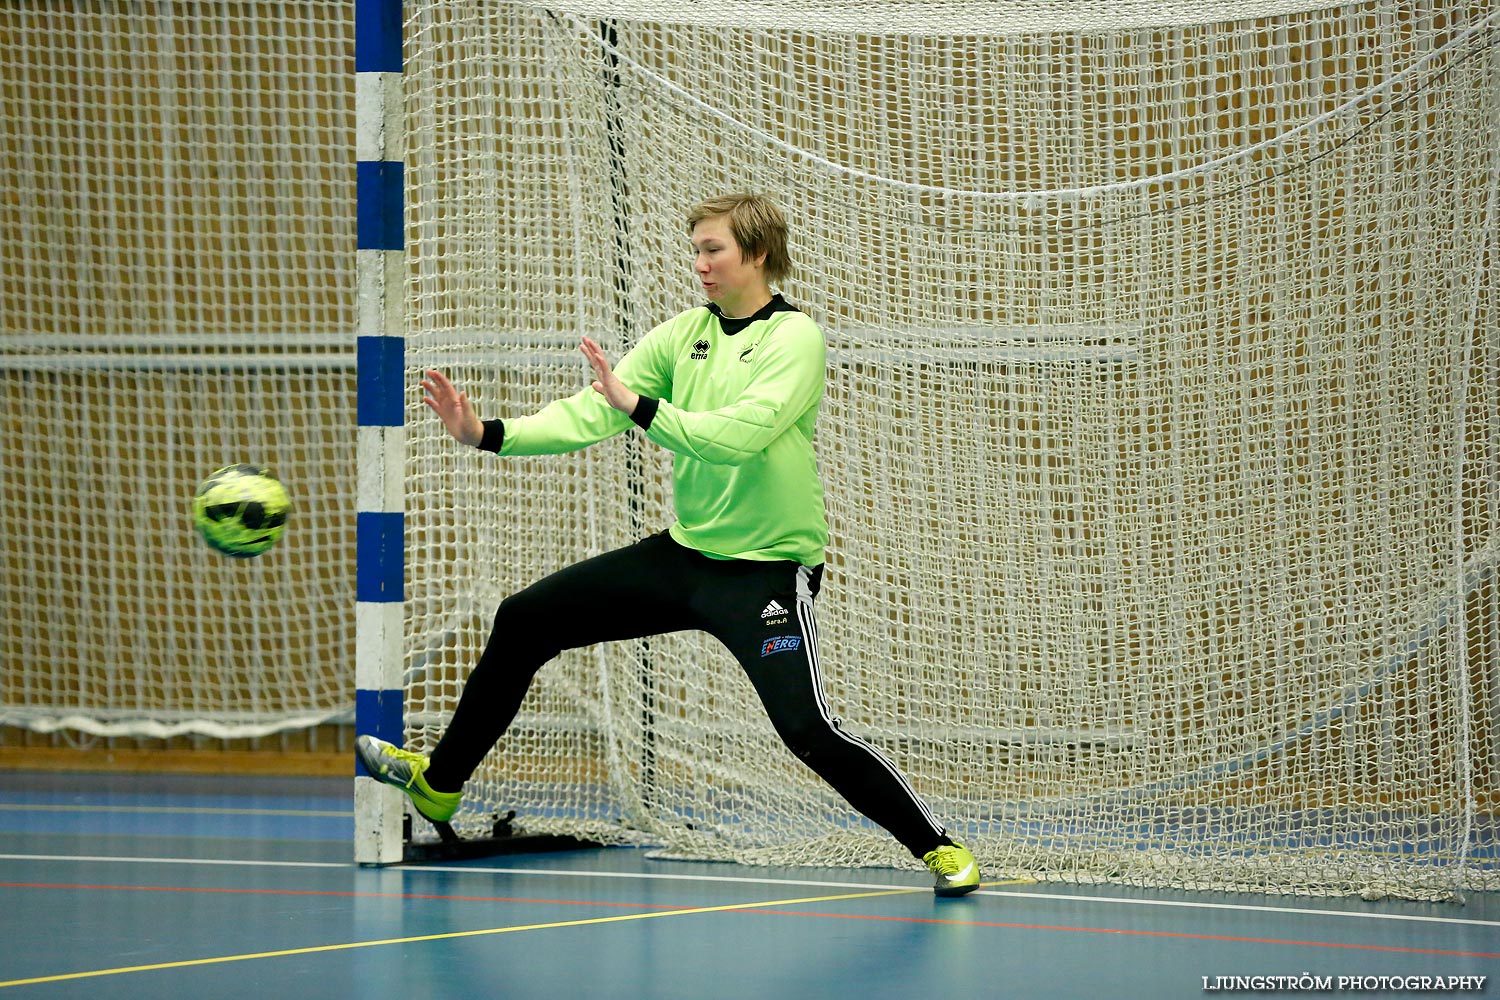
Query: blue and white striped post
x,y
381,569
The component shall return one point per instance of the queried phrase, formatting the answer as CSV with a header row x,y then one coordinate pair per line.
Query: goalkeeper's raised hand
x,y
617,393
452,407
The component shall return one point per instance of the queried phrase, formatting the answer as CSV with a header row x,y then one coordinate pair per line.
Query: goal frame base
x,y
503,839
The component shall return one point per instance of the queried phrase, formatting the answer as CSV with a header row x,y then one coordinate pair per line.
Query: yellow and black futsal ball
x,y
241,510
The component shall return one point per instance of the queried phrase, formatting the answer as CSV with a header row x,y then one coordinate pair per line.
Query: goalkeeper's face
x,y
728,279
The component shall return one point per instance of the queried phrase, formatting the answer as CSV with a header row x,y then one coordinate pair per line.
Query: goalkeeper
x,y
732,389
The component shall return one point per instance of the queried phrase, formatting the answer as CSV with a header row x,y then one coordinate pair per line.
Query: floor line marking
x,y
337,894
1133,932
760,906
1256,908
662,876
1026,893
448,936
352,894
457,869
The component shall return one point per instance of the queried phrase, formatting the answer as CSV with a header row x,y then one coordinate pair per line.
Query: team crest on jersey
x,y
780,644
700,351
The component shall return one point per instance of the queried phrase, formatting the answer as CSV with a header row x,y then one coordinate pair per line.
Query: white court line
x,y
658,876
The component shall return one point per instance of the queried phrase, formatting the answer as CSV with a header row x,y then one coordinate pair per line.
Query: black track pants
x,y
761,611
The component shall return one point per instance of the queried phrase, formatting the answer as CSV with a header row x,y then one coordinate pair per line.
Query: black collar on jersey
x,y
732,326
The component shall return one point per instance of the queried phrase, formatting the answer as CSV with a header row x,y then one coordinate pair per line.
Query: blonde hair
x,y
757,226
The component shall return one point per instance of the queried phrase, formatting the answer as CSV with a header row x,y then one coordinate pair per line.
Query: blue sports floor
x,y
116,886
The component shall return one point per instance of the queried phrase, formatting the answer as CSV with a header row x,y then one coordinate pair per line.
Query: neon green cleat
x,y
956,870
389,763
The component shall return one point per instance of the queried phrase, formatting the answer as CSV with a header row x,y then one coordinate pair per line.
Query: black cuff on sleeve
x,y
494,436
645,412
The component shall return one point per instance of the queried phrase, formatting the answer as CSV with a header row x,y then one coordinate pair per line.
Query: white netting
x,y
1160,442
176,294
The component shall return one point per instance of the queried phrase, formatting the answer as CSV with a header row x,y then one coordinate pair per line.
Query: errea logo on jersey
x,y
700,351
780,644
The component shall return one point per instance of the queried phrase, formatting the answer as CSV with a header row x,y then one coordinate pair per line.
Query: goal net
x,y
176,295
1160,442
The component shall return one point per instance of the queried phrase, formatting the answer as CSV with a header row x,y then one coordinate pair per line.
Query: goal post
x,y
381,396
1159,440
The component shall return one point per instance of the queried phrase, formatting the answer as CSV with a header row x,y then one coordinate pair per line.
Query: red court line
x,y
1124,932
335,892
1135,933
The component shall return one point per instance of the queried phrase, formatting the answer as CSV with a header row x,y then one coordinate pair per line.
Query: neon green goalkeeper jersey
x,y
735,401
